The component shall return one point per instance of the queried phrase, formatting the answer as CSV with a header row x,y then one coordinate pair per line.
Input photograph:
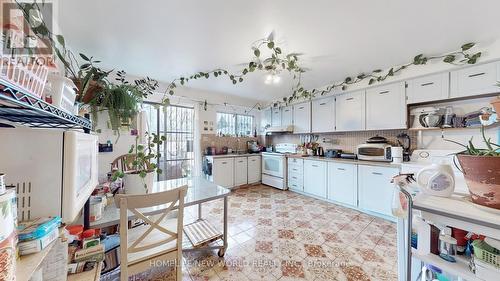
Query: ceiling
x,y
166,39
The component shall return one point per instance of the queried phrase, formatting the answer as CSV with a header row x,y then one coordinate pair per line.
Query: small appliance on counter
x,y
253,147
405,142
345,155
333,153
320,152
375,149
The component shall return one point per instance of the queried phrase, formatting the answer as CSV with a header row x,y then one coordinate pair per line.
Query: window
x,y
230,124
176,123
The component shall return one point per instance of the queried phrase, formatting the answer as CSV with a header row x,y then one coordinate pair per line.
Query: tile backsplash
x,y
347,141
235,143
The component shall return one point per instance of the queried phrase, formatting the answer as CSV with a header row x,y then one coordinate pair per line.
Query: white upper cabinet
x,y
428,88
276,118
266,118
302,118
323,115
475,80
287,116
386,107
350,111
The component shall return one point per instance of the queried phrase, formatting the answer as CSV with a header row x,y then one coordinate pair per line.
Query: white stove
x,y
274,167
421,158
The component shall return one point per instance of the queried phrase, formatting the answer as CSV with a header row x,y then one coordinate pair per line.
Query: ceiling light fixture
x,y
272,79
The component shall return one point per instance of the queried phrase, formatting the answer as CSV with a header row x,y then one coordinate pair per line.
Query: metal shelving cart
x,y
22,108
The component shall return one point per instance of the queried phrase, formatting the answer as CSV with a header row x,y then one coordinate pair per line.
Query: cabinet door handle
x,y
377,173
240,161
349,99
316,166
224,162
301,107
383,92
427,84
294,178
341,169
477,74
323,103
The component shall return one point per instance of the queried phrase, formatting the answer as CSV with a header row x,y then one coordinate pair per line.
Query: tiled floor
x,y
282,235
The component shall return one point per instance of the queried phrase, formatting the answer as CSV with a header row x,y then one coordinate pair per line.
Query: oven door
x,y
273,165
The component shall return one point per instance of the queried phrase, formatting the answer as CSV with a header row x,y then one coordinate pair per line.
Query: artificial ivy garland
x,y
290,62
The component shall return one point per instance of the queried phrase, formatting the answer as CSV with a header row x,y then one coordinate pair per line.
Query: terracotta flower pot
x,y
482,175
93,88
496,104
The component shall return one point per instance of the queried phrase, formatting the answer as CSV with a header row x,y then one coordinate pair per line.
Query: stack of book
x,y
36,235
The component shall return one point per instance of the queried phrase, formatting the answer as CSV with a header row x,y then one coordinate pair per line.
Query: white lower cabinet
x,y
375,189
296,174
315,179
240,171
254,172
223,172
343,183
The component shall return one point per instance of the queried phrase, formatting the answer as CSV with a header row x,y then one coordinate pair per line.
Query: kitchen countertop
x,y
347,161
232,155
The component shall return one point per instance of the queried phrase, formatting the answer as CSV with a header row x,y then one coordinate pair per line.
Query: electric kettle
x,y
437,180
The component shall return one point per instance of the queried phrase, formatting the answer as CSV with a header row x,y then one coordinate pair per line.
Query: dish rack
x,y
29,77
486,253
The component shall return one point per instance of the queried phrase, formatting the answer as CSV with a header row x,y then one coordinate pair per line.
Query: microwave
x,y
374,152
53,171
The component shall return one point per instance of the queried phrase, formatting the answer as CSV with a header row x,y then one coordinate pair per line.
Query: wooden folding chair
x,y
159,241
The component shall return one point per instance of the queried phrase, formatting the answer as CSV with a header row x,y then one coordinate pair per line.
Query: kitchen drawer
x,y
475,80
296,185
295,176
298,169
296,162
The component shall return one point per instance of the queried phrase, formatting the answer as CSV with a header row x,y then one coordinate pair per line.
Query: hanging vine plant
x,y
278,61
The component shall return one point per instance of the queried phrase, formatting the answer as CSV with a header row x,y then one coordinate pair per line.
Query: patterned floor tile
x,y
285,236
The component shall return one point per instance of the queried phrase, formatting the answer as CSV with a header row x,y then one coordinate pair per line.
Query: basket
x,y
486,253
60,91
30,77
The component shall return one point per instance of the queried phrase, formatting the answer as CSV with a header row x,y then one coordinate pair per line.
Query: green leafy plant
x,y
144,157
492,149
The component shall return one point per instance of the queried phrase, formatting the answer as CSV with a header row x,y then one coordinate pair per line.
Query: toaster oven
x,y
374,152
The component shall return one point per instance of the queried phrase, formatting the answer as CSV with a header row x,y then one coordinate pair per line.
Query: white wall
x,y
183,96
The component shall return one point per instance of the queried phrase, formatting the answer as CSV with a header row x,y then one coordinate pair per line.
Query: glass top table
x,y
199,191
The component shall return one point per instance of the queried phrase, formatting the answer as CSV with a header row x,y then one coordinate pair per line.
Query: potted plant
x,y
140,178
496,105
481,168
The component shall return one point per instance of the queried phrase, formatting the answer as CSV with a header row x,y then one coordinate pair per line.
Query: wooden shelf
x,y
91,275
26,265
459,268
454,129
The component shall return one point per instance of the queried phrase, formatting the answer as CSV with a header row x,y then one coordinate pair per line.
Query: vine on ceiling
x,y
279,61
